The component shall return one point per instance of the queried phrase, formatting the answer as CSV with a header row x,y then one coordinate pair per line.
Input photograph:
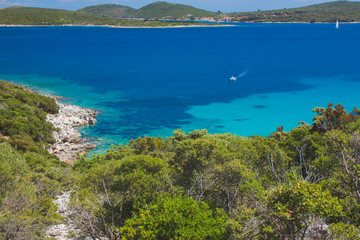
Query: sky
x,y
210,5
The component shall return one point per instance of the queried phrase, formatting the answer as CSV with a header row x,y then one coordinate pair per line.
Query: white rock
x,y
68,139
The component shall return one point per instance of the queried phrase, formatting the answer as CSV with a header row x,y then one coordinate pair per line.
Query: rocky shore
x,y
68,140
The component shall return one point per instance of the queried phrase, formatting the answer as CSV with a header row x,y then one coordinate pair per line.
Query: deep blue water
x,y
153,81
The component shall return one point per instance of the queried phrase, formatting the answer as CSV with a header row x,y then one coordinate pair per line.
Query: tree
x,y
175,218
109,191
333,118
24,212
291,210
346,151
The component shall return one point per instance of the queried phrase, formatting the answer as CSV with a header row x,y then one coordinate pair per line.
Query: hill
x,y
164,9
333,6
109,10
302,184
153,10
45,16
344,11
29,174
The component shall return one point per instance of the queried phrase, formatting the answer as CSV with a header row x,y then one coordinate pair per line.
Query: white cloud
x,y
10,3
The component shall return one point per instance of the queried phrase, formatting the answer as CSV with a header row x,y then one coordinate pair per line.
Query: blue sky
x,y
212,5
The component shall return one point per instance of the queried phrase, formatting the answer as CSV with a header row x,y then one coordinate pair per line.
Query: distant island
x,y
344,11
163,14
157,10
57,17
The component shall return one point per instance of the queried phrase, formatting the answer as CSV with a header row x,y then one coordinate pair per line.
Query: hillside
x,y
333,6
109,10
302,184
164,9
344,11
45,16
29,175
153,10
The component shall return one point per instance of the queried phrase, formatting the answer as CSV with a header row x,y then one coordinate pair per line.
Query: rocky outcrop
x,y
68,140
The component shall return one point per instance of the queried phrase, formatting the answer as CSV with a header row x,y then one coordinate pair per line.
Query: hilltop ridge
x,y
153,10
58,17
119,15
345,11
109,10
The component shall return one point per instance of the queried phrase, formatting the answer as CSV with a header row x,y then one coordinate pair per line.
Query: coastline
x,y
230,24
303,22
115,26
69,143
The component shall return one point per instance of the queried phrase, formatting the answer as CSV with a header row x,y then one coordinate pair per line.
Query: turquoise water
x,y
153,81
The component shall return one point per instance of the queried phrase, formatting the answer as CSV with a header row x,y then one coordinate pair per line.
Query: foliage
x,y
292,208
49,17
164,9
242,223
155,10
344,232
330,118
115,187
344,11
29,175
109,10
23,117
175,218
24,126
12,169
24,212
301,184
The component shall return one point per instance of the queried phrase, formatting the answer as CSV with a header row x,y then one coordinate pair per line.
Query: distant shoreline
x,y
305,22
175,26
115,26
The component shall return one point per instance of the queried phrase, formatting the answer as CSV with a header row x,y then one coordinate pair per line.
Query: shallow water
x,y
153,81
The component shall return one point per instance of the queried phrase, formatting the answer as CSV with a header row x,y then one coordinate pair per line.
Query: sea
x,y
246,79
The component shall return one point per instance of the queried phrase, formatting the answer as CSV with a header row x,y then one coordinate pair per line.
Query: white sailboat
x,y
337,24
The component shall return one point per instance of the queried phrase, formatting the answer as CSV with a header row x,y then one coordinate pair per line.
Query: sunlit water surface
x,y
153,81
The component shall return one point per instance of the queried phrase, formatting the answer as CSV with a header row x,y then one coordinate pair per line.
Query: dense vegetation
x,y
168,10
29,176
44,16
154,10
112,14
295,185
109,10
23,117
344,11
302,184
